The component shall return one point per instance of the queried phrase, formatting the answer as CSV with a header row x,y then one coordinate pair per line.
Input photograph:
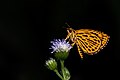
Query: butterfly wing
x,y
91,41
103,37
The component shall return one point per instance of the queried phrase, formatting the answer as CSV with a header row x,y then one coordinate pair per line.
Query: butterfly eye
x,y
70,30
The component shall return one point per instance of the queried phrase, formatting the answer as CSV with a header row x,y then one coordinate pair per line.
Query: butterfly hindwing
x,y
91,41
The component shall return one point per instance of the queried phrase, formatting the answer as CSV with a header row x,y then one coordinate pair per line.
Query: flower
x,y
51,64
60,46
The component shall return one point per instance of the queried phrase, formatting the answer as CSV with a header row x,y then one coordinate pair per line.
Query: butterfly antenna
x,y
67,24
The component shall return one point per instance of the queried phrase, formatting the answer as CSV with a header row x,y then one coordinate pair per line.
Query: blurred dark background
x,y
28,26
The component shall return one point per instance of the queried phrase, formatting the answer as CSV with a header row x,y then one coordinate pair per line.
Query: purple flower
x,y
60,45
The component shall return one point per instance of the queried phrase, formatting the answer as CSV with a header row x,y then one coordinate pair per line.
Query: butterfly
x,y
87,40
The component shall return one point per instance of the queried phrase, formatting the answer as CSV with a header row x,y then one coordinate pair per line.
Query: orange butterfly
x,y
88,40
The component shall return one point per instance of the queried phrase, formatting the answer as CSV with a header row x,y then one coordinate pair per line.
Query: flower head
x,y
51,64
60,46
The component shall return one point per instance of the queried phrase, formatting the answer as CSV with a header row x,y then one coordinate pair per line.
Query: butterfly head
x,y
72,34
70,30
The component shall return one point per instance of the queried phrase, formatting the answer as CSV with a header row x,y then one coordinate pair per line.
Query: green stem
x,y
56,71
62,68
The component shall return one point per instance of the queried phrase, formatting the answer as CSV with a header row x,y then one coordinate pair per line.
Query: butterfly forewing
x,y
89,43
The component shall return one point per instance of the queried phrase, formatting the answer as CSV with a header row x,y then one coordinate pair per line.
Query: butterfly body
x,y
87,40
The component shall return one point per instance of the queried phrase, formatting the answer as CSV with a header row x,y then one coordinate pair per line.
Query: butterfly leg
x,y
73,44
79,51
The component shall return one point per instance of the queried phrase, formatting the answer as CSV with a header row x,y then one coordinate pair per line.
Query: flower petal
x,y
60,45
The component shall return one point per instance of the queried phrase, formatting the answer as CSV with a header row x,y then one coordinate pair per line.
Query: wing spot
x,y
92,49
89,49
92,36
85,35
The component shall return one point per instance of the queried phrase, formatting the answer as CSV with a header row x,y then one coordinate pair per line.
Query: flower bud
x,y
51,64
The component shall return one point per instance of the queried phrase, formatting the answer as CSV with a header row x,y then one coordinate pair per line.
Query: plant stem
x,y
62,68
56,71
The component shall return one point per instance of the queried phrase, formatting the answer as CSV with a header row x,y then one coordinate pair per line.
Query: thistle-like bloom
x,y
60,46
51,64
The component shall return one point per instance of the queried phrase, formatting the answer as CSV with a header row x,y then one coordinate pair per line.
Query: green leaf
x,y
66,74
